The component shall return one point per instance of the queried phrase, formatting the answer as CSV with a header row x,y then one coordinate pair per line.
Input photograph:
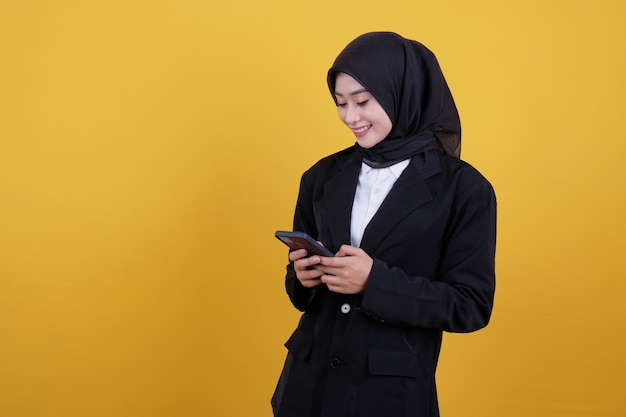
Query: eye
x,y
341,104
362,103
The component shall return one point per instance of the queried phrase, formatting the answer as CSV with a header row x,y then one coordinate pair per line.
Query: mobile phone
x,y
300,240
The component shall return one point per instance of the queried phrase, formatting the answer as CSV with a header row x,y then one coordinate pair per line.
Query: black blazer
x,y
433,244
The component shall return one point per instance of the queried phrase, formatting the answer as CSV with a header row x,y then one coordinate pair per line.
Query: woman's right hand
x,y
306,273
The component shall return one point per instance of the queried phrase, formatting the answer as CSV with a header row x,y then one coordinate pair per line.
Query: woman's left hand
x,y
347,272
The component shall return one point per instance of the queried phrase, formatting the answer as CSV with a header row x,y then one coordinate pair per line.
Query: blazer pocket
x,y
393,363
300,344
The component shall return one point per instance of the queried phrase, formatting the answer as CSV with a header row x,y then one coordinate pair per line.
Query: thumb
x,y
347,250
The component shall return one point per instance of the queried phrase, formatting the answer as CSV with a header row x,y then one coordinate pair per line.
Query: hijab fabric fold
x,y
406,80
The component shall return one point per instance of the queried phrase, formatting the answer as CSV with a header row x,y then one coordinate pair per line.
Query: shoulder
x,y
461,177
336,160
331,164
462,169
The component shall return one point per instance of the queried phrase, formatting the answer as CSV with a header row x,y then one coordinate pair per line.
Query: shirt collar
x,y
395,169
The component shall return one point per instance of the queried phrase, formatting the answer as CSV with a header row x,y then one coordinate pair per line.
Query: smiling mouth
x,y
362,130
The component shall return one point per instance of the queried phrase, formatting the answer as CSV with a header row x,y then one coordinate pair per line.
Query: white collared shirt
x,y
373,186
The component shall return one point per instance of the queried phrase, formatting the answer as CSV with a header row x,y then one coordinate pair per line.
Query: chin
x,y
368,144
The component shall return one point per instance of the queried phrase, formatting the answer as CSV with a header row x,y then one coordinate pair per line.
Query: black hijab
x,y
405,78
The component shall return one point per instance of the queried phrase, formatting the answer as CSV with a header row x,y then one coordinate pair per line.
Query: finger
x,y
331,280
297,254
335,265
309,283
309,273
306,263
309,278
332,285
328,270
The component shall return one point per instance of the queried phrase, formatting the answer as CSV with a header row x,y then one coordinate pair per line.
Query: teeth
x,y
361,130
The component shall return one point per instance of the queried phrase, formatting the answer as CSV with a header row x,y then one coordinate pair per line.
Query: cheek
x,y
388,127
386,124
383,122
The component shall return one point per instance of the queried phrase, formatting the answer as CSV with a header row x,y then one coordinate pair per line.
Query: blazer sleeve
x,y
304,221
460,297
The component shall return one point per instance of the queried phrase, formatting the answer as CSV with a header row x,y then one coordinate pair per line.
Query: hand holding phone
x,y
301,240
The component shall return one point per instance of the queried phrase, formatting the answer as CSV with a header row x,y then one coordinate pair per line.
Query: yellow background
x,y
149,150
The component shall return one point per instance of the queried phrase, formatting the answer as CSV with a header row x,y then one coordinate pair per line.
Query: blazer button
x,y
335,363
345,308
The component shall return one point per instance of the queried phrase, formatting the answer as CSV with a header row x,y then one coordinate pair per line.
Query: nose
x,y
351,115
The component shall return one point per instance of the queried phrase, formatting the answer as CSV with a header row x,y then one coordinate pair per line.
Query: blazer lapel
x,y
408,193
339,197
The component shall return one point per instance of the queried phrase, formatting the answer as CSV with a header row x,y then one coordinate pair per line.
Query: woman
x,y
413,228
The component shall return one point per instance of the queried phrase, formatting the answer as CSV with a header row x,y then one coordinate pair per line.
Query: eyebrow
x,y
354,93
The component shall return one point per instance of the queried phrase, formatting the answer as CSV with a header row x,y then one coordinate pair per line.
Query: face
x,y
360,111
